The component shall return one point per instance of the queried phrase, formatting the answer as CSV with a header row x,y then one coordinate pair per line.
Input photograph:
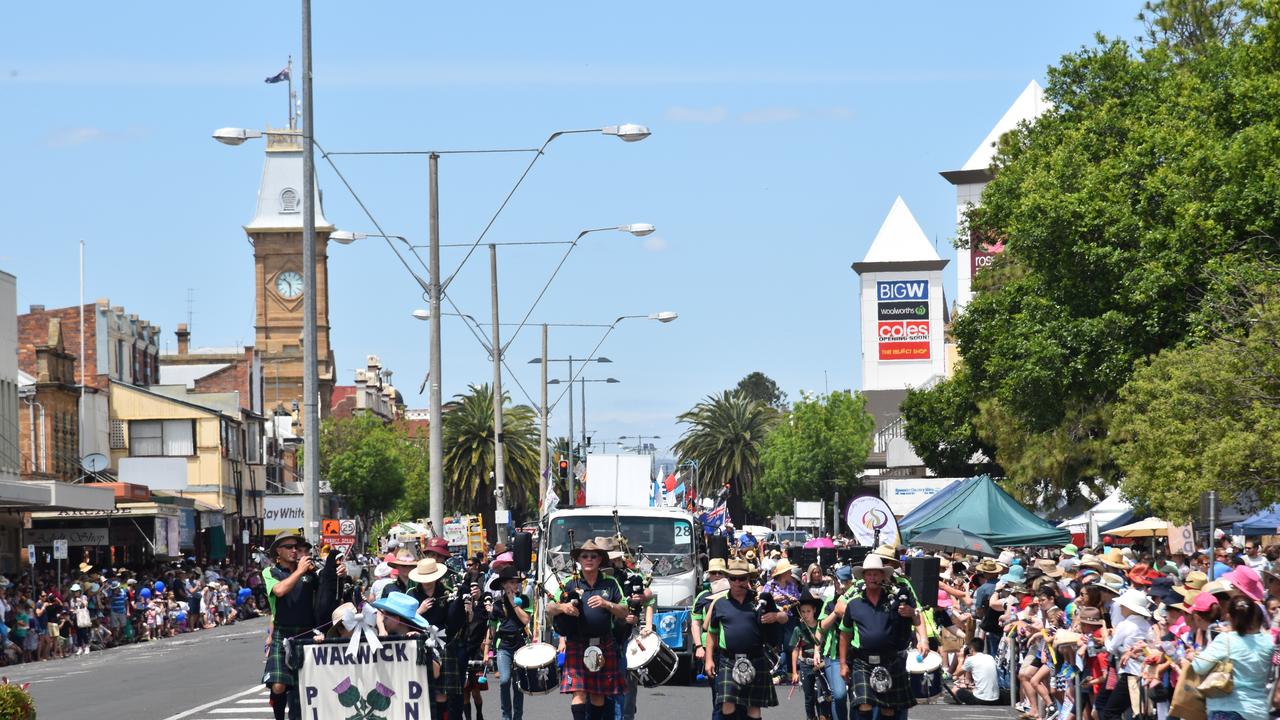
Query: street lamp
x,y
582,382
545,382
235,136
627,132
639,440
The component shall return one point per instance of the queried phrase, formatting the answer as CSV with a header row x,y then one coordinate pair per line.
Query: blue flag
x,y
279,77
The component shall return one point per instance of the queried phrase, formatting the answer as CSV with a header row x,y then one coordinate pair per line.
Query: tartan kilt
x,y
277,669
759,693
608,680
452,669
898,696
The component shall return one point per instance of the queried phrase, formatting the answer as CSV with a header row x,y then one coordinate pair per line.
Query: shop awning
x,y
54,495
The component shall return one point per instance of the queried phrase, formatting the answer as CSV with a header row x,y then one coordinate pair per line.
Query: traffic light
x,y
564,469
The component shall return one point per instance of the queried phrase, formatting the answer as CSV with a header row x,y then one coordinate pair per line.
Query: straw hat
x,y
1049,568
610,546
716,565
872,562
1091,561
428,571
1192,586
740,568
404,557
989,567
1066,637
783,566
1115,559
889,553
589,546
1111,582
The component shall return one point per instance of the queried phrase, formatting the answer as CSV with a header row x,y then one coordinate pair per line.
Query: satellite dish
x,y
94,462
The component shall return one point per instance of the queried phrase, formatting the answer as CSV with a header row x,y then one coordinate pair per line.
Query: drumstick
x,y
792,691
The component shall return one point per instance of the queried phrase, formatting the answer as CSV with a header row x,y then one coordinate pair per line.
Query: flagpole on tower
x,y
293,124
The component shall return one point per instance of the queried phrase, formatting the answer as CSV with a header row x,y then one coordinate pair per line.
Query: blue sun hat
x,y
403,606
1017,575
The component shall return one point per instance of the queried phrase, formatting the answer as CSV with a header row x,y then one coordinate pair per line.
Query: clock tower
x,y
276,235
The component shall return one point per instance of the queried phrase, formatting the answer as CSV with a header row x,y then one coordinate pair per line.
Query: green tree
x,y
818,448
724,437
1206,417
761,388
941,425
362,458
468,455
1153,168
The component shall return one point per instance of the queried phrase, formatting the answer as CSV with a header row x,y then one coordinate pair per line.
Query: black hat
x,y
506,572
809,599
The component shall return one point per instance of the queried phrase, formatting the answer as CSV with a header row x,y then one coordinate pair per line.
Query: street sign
x,y
341,543
347,527
60,549
1182,539
331,527
31,554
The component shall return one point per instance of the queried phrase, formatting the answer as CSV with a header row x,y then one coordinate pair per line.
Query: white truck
x,y
669,542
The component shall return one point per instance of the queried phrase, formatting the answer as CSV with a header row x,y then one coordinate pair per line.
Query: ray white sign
x,y
282,512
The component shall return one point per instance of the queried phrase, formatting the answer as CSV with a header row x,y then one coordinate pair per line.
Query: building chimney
x,y
184,338
37,308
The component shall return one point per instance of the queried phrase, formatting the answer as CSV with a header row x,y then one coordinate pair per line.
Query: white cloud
x,y
841,114
71,137
655,243
706,116
768,115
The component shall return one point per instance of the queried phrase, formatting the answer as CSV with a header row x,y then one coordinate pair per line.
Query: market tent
x,y
982,508
1111,507
1263,522
938,498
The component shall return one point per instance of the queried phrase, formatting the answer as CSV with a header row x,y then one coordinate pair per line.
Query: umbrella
x,y
1150,527
955,540
822,542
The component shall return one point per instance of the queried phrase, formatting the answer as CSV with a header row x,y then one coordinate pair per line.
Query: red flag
x,y
670,483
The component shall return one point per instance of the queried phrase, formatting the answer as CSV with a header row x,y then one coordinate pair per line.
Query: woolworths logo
x,y
903,310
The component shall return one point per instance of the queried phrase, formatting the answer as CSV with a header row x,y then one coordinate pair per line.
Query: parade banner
x,y
369,683
871,521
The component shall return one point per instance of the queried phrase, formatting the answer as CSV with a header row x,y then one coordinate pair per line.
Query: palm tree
x,y
725,434
468,455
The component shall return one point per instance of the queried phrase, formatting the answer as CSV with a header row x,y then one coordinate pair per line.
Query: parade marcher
x,y
736,657
508,628
829,622
403,562
640,596
806,656
293,586
449,618
697,626
592,669
874,636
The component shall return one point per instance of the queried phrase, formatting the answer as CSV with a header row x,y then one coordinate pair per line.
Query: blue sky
x,y
781,135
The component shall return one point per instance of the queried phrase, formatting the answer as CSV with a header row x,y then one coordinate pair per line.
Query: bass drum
x,y
651,662
535,669
926,675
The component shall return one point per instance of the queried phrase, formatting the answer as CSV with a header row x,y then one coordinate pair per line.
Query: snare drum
x,y
535,668
651,662
926,674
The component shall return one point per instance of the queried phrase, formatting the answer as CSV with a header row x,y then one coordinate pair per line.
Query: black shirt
x,y
880,629
295,608
595,622
737,625
507,626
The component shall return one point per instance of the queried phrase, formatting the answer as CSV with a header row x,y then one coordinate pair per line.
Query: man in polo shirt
x,y
875,632
697,625
829,623
601,605
736,645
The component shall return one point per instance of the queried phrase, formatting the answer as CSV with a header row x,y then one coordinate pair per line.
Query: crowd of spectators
x,y
97,608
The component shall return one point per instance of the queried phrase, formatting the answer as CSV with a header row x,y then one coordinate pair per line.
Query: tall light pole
x,y
627,132
582,382
639,441
572,430
500,517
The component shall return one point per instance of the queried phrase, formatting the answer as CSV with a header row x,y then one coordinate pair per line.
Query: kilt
x,y
277,669
608,680
898,696
759,693
453,665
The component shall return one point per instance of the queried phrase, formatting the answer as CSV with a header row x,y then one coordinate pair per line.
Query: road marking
x,y
194,710
241,709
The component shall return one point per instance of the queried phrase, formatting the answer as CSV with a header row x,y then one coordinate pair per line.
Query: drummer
x,y
715,573
592,667
508,626
735,646
806,655
624,705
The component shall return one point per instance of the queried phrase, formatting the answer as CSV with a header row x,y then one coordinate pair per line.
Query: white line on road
x,y
194,710
241,709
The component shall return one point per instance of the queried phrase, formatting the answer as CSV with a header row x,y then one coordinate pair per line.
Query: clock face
x,y
289,284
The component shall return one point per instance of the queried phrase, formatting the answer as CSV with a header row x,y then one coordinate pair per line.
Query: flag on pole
x,y
279,77
714,518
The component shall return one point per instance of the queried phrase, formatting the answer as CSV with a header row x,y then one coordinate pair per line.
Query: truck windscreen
x,y
666,542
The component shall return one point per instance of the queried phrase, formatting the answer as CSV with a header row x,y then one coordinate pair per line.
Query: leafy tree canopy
x,y
725,434
761,388
942,428
361,457
818,448
1155,169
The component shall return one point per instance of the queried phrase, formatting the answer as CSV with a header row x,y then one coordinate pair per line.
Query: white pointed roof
x,y
1029,105
280,192
900,239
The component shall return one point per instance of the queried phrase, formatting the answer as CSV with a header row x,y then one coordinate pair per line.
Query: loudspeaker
x,y
719,547
852,556
826,557
801,557
923,572
522,551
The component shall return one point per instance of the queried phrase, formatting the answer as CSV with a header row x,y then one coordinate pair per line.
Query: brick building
x,y
49,434
372,393
117,346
